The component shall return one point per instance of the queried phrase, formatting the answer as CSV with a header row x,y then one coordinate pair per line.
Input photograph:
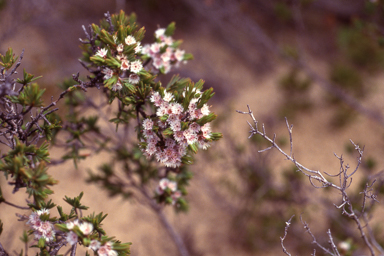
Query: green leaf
x,y
8,59
27,78
170,29
75,202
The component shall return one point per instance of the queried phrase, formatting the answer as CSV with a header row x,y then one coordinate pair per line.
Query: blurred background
x,y
318,63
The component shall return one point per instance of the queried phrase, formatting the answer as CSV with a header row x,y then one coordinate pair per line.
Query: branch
x,y
287,224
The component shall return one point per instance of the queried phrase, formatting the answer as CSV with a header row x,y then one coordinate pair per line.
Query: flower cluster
x,y
168,188
183,130
41,229
164,52
86,228
118,54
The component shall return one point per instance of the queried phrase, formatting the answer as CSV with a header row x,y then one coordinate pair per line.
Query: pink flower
x,y
148,134
148,124
157,63
179,136
102,52
172,118
151,149
156,98
194,127
192,104
129,40
167,40
176,126
161,157
170,143
72,238
153,140
103,251
163,183
136,66
134,79
155,48
45,227
50,235
175,196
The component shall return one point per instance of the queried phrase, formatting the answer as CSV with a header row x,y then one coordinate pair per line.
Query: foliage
x,y
171,123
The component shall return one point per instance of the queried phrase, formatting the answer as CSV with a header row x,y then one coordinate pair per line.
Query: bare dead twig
x,y
314,241
287,224
345,180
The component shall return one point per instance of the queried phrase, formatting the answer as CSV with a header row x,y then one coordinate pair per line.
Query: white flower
x,y
45,227
134,79
205,110
70,225
94,245
155,48
72,238
108,73
112,253
168,96
159,32
33,219
86,228
129,40
117,86
120,48
179,54
42,211
102,52
50,235
177,108
172,185
167,40
124,64
146,49
136,66
138,47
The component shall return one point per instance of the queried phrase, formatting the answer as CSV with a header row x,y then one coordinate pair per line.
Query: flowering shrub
x,y
171,123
